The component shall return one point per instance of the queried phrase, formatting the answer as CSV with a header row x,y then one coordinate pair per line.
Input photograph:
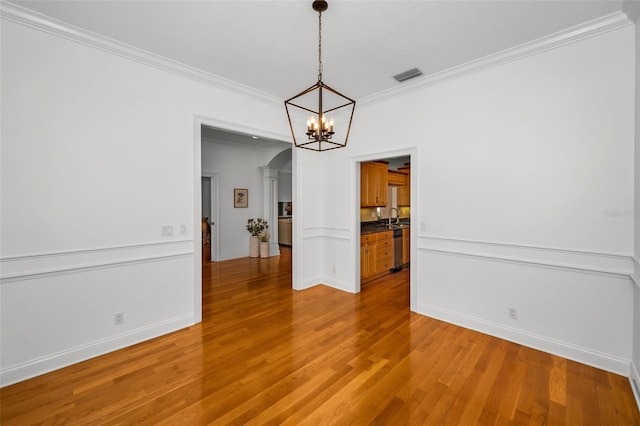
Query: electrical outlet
x,y
513,313
118,318
334,269
166,230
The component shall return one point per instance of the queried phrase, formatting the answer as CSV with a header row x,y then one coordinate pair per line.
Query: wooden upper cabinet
x,y
398,178
404,192
373,184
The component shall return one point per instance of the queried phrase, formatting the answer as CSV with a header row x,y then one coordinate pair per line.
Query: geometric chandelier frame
x,y
328,113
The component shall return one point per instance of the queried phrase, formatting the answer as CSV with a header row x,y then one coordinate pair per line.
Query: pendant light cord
x,y
319,46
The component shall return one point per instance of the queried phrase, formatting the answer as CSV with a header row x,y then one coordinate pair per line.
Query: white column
x,y
270,208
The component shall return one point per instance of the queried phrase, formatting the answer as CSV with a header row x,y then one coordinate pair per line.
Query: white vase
x,y
254,247
264,249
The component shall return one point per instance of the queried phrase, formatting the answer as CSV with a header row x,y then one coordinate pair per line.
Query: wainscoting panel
x,y
582,312
332,268
53,315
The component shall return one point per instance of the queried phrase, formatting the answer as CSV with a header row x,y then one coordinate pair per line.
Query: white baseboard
x,y
634,378
556,347
29,369
330,282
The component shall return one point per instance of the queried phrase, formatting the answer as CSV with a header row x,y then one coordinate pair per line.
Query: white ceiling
x,y
271,46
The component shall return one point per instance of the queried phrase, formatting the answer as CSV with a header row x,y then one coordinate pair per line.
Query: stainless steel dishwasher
x,y
397,250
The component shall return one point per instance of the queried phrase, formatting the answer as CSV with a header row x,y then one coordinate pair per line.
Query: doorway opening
x,y
228,157
384,228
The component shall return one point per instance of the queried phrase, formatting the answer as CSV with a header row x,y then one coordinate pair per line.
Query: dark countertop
x,y
382,225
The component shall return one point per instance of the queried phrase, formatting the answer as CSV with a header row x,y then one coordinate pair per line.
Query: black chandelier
x,y
327,112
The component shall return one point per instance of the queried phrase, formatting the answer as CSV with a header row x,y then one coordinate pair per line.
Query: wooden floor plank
x,y
265,354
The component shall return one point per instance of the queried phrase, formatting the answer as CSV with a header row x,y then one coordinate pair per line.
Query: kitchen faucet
x,y
397,216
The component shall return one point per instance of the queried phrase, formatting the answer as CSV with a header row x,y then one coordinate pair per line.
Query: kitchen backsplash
x,y
369,214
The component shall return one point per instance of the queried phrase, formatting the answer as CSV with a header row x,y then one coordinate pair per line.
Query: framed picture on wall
x,y
240,198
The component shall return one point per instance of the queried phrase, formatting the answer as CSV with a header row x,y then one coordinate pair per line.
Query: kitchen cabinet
x,y
373,184
376,254
384,252
367,255
406,245
404,192
397,177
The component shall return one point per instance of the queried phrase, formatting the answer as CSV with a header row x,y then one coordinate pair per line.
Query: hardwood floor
x,y
265,354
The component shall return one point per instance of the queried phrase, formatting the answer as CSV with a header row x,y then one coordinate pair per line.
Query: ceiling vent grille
x,y
407,75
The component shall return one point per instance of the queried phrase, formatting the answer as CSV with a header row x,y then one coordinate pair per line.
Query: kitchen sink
x,y
397,226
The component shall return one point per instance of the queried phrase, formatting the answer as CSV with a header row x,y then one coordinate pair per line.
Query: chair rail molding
x,y
618,266
24,267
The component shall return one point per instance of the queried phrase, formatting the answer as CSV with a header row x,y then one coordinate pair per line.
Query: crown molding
x,y
35,20
38,21
573,34
632,9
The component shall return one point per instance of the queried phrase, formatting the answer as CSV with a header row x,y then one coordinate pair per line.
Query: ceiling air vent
x,y
407,75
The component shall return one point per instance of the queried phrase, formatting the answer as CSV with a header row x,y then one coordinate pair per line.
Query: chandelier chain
x,y
319,46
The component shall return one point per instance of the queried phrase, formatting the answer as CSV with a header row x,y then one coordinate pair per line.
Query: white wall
x,y
206,197
284,186
518,170
97,155
237,166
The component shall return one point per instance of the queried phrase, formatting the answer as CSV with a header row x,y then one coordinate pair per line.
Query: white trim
x,y
198,122
635,275
32,19
29,18
9,278
90,250
527,246
340,285
581,261
634,379
40,265
270,206
310,282
36,367
632,9
326,232
579,32
201,120
335,284
215,212
197,218
355,160
297,264
532,340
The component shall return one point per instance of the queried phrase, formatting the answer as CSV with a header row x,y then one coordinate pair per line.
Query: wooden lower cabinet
x,y
376,254
406,245
384,252
367,259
